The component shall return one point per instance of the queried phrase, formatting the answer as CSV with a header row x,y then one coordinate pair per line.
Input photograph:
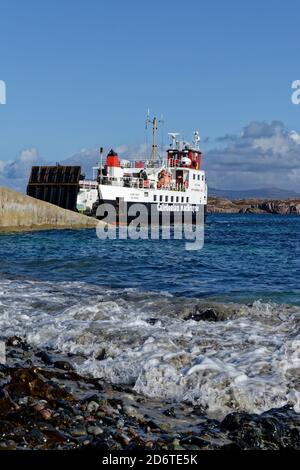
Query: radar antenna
x,y
173,136
196,140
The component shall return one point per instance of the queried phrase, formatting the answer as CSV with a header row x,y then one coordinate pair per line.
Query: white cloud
x,y
3,164
264,154
295,137
14,174
29,155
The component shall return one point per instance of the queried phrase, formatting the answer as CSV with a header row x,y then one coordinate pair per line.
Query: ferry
x,y
173,184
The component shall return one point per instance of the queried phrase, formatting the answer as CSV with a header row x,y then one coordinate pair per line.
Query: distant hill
x,y
264,193
86,159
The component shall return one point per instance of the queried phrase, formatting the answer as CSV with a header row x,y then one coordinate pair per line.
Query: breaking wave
x,y
223,357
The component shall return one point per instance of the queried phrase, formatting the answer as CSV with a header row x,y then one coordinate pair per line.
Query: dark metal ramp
x,y
58,185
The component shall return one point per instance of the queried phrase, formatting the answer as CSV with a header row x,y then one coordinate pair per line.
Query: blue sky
x,y
80,74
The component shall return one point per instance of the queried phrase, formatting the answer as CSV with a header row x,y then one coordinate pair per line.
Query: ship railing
x,y
172,187
142,163
140,183
175,163
88,184
128,182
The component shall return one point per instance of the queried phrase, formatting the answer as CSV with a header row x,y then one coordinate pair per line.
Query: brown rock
x,y
218,205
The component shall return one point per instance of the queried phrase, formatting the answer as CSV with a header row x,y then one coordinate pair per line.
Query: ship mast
x,y
154,122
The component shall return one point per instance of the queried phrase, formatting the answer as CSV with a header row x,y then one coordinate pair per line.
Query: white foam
x,y
251,361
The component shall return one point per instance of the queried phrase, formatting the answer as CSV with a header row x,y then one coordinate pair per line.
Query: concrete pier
x,y
20,212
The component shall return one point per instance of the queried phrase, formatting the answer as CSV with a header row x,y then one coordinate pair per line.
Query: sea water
x,y
135,299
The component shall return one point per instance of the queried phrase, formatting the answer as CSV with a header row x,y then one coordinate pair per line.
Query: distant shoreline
x,y
218,205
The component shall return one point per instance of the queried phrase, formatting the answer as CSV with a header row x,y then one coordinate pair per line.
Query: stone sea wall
x,y
21,212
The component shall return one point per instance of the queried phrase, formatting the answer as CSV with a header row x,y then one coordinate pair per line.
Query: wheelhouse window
x,y
154,197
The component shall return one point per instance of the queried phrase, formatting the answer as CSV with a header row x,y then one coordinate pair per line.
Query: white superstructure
x,y
174,184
